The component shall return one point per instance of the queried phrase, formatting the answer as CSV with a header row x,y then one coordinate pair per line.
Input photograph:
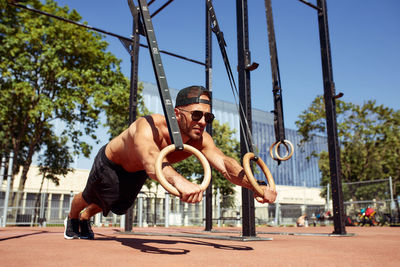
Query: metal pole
x,y
140,211
392,204
328,196
208,69
248,210
331,123
2,170
134,56
276,221
7,194
218,198
166,210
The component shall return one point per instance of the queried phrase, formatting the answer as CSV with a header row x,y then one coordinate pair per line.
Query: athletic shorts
x,y
111,187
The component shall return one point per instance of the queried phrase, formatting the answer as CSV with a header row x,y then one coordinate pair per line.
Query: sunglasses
x,y
197,115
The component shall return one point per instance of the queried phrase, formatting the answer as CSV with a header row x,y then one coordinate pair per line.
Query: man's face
x,y
189,127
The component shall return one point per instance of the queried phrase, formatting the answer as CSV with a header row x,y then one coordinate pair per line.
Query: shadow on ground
x,y
161,246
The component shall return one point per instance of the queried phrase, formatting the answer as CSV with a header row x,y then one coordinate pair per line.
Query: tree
x,y
117,109
192,168
54,162
369,137
52,71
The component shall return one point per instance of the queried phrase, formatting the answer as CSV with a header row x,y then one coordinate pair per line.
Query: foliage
x,y
117,109
55,160
369,137
52,72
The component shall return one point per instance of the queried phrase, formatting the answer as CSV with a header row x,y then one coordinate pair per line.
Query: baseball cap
x,y
191,95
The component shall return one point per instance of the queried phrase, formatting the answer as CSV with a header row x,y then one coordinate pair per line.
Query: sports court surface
x,y
290,246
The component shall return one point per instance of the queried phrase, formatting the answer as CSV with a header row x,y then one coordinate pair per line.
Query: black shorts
x,y
111,187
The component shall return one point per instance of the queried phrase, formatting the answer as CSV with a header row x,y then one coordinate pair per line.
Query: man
x,y
122,166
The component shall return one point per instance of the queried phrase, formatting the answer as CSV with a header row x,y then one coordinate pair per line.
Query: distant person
x,y
302,221
122,166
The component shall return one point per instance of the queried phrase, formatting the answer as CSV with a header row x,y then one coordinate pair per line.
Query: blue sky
x,y
364,34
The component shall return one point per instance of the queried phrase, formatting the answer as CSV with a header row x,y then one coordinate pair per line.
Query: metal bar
x,y
163,89
311,5
365,182
208,72
72,22
248,210
161,8
178,56
8,188
331,123
134,80
2,170
103,31
151,2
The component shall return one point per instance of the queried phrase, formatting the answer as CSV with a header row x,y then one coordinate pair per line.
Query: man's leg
x,y
77,205
71,223
78,219
84,222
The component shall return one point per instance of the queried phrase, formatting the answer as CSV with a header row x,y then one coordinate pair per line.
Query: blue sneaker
x,y
86,229
71,230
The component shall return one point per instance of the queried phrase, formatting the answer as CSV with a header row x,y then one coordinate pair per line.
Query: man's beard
x,y
189,132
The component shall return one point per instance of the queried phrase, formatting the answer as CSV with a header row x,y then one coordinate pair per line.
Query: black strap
x,y
162,84
221,41
276,80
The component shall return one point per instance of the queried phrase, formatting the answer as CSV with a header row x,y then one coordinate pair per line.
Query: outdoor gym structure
x,y
142,25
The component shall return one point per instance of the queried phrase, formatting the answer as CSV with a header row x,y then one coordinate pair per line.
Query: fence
x,y
50,209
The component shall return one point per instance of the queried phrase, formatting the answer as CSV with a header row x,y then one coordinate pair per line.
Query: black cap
x,y
191,95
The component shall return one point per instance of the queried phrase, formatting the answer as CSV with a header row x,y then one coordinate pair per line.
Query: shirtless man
x,y
122,166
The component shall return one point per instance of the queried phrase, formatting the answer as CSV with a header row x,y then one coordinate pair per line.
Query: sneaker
x,y
71,228
86,229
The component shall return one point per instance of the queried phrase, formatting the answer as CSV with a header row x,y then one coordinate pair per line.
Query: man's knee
x,y
120,208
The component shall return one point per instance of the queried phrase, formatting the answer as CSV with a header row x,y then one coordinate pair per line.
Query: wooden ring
x,y
247,169
160,175
276,145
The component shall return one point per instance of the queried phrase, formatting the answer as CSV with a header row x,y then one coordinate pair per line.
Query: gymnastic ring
x,y
160,175
247,169
272,147
287,156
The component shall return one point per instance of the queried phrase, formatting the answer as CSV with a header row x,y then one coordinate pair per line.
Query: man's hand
x,y
269,195
190,192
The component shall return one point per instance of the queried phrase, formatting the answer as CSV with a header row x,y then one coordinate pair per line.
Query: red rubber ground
x,y
371,246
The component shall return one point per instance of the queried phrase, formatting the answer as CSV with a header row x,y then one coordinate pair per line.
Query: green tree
x,y
191,167
53,163
52,71
369,137
117,109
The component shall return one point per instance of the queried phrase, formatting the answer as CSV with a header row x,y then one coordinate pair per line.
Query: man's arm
x,y
147,150
232,170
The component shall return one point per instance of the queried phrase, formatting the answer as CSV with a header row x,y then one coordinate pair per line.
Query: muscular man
x,y
122,166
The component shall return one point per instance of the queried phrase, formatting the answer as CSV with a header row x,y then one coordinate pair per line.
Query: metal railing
x,y
50,209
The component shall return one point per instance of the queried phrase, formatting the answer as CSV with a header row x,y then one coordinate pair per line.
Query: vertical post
x,y
140,211
248,211
2,170
218,198
7,193
277,209
134,53
166,210
331,123
208,69
328,199
392,204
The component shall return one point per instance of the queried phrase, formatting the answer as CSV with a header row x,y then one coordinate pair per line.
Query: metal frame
x,y
244,89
